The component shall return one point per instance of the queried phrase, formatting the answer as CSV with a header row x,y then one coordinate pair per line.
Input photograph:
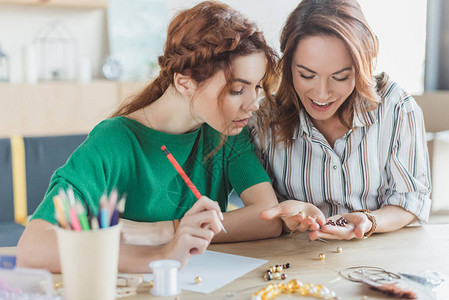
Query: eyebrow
x,y
243,81
335,73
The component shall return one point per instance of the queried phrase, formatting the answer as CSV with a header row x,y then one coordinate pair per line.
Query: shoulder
x,y
115,129
113,133
395,99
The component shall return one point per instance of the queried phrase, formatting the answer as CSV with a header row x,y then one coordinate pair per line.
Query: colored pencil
x,y
82,216
184,176
59,211
104,213
118,211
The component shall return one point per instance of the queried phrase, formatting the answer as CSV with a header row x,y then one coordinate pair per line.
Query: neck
x,y
171,113
331,129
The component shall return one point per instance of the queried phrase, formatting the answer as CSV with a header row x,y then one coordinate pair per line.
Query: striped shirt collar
x,y
360,120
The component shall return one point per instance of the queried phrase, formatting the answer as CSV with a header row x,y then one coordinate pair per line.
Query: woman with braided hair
x,y
215,62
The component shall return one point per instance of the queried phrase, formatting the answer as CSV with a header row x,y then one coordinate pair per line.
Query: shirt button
x,y
334,167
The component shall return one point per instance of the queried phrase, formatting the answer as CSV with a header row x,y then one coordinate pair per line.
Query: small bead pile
x,y
340,222
294,287
276,272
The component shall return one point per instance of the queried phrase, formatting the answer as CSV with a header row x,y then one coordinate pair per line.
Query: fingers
x,y
194,241
334,232
202,233
203,219
359,232
204,204
308,223
292,222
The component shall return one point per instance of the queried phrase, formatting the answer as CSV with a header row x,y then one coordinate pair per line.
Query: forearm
x,y
147,233
38,247
244,224
392,217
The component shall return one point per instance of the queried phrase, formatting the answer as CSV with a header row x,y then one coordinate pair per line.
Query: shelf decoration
x,y
4,66
56,49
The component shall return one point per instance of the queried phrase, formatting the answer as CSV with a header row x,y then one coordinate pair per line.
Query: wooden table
x,y
409,250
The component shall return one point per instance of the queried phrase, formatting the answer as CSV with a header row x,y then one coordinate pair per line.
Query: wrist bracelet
x,y
175,224
370,217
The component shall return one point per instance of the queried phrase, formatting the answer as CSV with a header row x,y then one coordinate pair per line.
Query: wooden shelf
x,y
88,4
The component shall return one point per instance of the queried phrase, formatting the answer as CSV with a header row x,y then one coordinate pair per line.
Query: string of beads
x,y
294,287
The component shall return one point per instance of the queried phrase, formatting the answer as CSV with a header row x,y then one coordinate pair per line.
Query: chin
x,y
233,131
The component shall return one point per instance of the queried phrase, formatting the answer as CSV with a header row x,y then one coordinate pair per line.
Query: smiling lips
x,y
241,123
321,106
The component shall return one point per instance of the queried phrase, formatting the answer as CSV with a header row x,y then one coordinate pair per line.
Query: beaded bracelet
x,y
370,217
294,287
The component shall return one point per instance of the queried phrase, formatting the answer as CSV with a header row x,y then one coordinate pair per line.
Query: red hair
x,y
200,42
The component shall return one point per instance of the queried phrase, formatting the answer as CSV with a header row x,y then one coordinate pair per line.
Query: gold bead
x,y
198,279
279,269
321,256
339,249
151,283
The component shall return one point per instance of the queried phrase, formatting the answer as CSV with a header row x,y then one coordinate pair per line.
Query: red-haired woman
x,y
215,62
347,145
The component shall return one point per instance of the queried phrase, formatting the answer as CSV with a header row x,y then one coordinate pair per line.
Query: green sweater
x,y
124,154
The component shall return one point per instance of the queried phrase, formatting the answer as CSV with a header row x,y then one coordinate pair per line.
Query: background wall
x,y
399,24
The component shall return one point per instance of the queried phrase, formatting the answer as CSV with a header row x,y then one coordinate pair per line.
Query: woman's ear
x,y
184,84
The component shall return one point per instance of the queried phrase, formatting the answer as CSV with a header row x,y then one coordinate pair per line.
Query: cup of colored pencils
x,y
88,244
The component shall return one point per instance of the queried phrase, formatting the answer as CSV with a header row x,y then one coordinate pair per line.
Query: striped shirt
x,y
383,160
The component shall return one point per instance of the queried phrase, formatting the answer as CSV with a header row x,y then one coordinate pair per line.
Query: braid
x,y
200,42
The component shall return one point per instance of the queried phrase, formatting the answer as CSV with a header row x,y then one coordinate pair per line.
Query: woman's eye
x,y
235,93
341,79
306,77
258,87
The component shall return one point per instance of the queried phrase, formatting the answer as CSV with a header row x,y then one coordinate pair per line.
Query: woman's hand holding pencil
x,y
195,232
186,179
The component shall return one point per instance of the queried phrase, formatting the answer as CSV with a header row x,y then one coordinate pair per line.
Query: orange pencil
x,y
60,211
184,177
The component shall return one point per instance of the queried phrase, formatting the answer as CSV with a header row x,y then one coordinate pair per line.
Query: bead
x,y
321,256
277,275
339,249
198,279
294,287
278,269
151,283
287,265
283,276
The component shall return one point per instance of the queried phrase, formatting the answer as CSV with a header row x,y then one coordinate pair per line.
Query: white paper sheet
x,y
216,270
